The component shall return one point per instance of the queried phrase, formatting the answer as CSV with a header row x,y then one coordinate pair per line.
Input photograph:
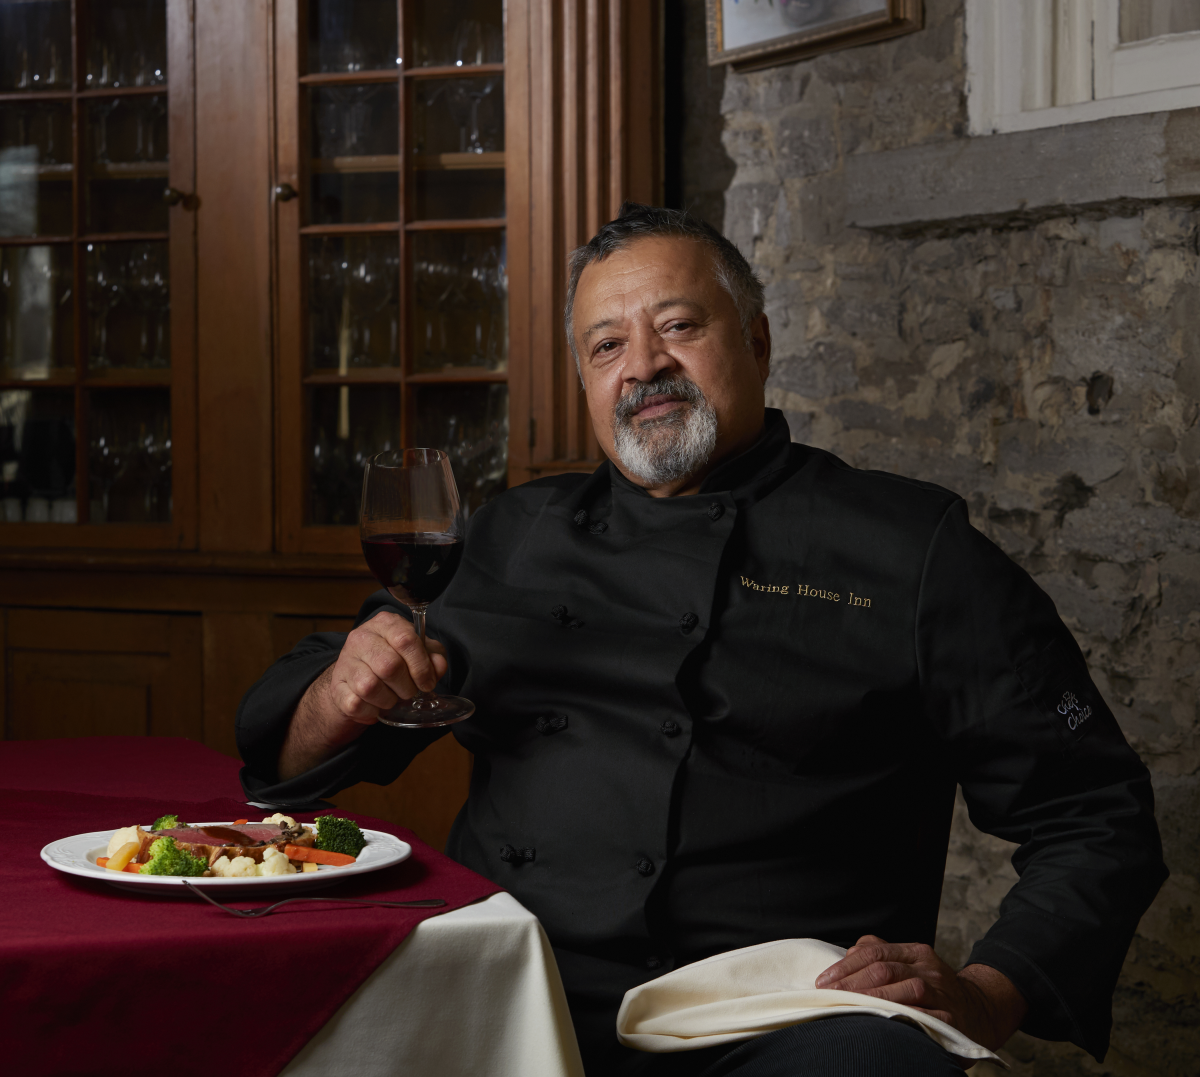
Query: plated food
x,y
238,850
269,855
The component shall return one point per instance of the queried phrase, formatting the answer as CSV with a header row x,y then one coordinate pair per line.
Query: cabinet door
x,y
76,674
96,273
393,286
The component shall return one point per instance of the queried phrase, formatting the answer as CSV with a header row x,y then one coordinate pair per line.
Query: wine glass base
x,y
427,710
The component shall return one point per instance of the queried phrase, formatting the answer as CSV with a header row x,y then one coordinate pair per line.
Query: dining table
x,y
97,978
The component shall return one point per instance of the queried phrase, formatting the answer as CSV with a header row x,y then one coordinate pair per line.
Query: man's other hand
x,y
979,1001
382,662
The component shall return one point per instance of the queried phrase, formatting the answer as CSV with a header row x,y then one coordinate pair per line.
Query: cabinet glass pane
x,y
36,311
127,164
35,169
37,456
355,138
126,43
35,46
352,35
129,455
460,312
463,33
458,148
348,425
353,302
128,306
470,422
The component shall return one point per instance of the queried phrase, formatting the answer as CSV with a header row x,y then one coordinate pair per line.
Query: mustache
x,y
666,385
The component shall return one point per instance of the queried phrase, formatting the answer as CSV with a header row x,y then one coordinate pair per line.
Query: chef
x,y
725,687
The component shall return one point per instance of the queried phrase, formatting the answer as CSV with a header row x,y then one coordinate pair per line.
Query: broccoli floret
x,y
167,822
167,858
339,835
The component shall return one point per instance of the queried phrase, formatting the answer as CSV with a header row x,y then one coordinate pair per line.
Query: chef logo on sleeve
x,y
1074,711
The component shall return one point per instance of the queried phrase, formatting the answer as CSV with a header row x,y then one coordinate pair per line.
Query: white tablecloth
x,y
473,993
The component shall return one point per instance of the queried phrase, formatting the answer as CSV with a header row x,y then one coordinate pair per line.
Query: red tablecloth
x,y
96,980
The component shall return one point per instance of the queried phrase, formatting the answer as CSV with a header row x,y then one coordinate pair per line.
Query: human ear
x,y
760,346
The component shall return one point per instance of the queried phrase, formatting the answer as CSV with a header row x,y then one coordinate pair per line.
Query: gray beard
x,y
665,450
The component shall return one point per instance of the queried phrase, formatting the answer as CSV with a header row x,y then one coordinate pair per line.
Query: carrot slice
x,y
317,856
102,861
240,822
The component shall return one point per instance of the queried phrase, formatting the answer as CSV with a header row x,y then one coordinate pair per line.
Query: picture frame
x,y
753,34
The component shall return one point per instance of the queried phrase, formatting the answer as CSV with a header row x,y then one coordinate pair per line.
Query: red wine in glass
x,y
411,526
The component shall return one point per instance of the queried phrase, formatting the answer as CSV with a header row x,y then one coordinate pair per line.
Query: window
x,y
1042,63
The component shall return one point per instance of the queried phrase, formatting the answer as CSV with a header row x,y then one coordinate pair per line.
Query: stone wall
x,y
1049,371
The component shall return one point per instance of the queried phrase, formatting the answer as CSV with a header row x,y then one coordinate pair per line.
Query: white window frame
x,y
1025,55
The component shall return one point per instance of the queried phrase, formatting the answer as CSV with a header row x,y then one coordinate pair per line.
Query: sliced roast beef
x,y
226,839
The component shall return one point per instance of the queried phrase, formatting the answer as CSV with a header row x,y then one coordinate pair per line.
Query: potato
x,y
123,856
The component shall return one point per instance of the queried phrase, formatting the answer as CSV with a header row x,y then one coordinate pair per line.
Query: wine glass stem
x,y
418,615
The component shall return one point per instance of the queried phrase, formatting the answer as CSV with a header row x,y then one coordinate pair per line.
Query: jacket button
x,y
670,728
687,622
550,724
654,962
645,866
715,511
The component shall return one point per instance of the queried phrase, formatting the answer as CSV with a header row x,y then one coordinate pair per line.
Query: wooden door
x,y
72,673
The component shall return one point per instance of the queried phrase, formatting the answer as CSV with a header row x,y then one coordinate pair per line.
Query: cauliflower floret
x,y
240,867
120,837
275,863
281,819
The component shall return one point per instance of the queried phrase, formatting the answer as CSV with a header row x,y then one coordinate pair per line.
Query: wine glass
x,y
411,526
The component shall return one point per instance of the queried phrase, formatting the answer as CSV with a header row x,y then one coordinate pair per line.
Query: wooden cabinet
x,y
255,242
83,674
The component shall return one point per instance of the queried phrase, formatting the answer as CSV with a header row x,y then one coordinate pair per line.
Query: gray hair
x,y
635,221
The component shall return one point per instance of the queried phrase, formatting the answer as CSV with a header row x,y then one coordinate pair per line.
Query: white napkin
x,y
746,993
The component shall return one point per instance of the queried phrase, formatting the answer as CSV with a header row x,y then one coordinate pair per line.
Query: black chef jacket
x,y
706,722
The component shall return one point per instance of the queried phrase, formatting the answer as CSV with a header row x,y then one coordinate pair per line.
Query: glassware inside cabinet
x,y
35,46
458,148
460,313
470,423
352,35
348,425
353,302
36,167
355,140
126,43
37,456
129,455
128,300
127,163
36,311
457,35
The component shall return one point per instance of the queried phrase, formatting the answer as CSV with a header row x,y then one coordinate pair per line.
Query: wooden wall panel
x,y
73,673
589,120
237,651
233,167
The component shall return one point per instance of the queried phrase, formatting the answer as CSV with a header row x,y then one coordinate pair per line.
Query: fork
x,y
249,914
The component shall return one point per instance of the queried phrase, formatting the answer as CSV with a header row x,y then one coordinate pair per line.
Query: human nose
x,y
647,356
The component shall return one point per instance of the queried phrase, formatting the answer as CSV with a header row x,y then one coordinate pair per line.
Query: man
x,y
725,687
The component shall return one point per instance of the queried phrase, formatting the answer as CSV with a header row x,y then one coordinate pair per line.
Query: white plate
x,y
77,855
